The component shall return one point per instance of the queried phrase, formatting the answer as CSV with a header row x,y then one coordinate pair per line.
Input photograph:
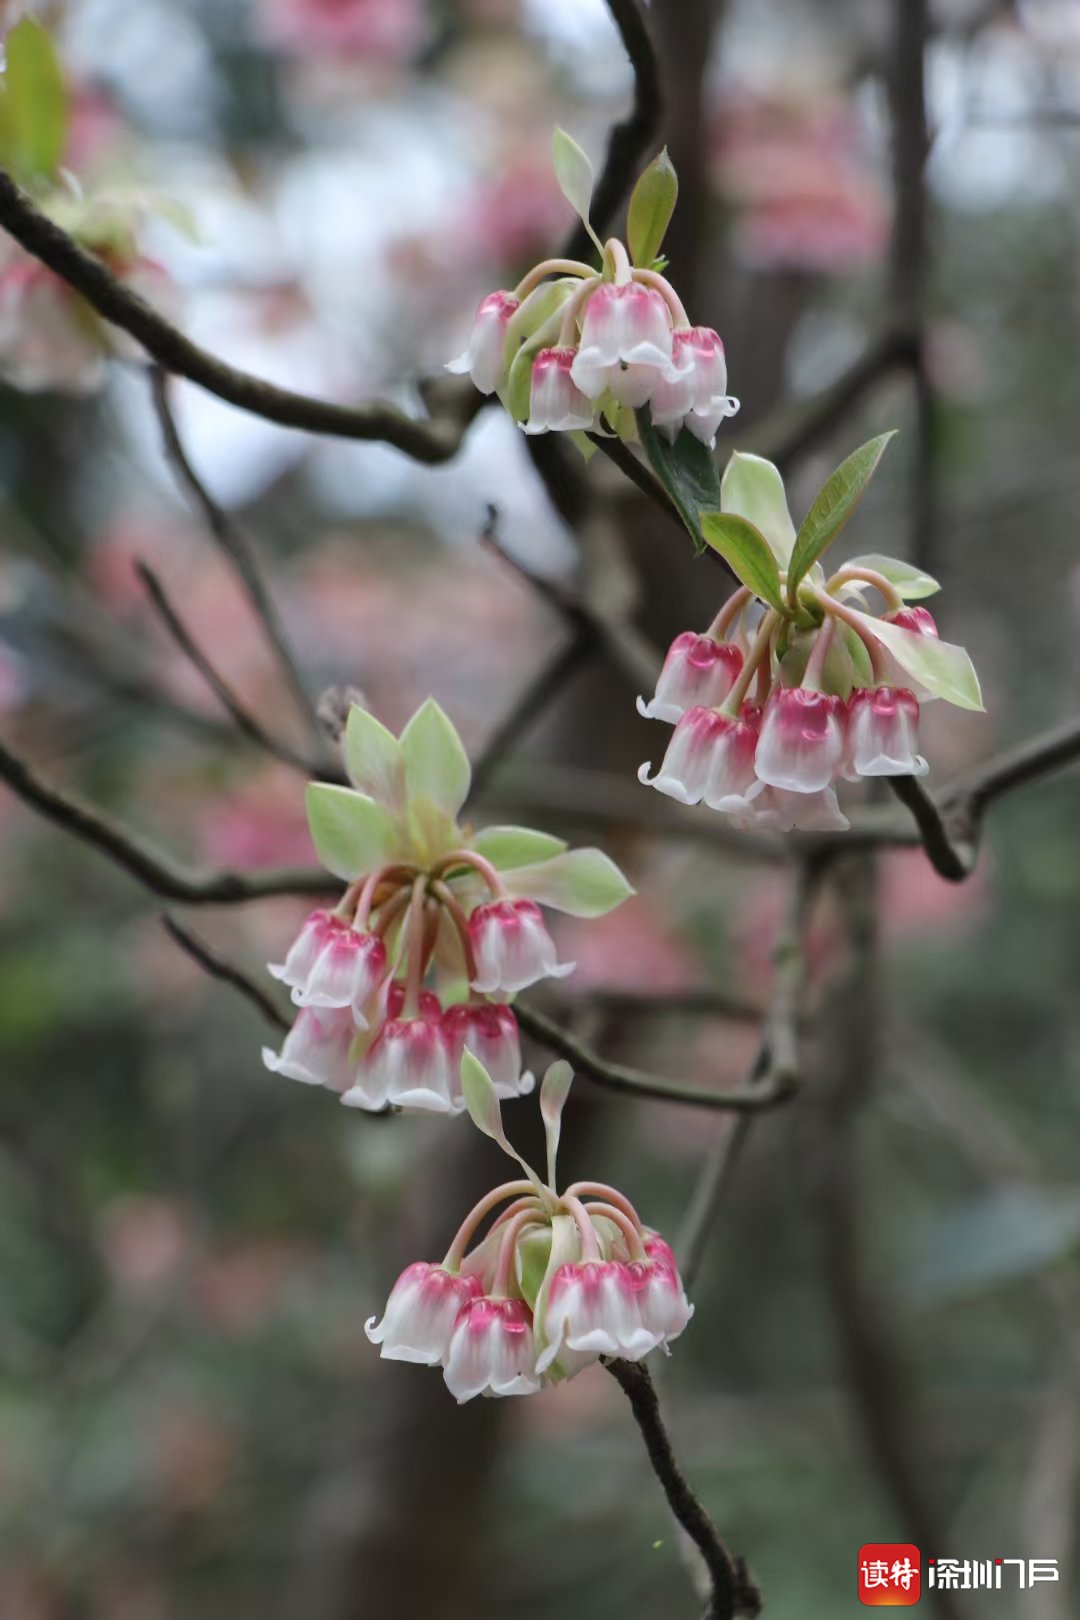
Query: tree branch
x,y
734,1591
218,967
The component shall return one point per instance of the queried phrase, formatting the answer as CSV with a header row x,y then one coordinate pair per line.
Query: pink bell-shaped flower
x,y
512,946
802,740
491,1350
490,1031
408,1065
764,809
921,621
483,359
697,671
346,972
555,400
592,1310
625,344
661,1298
883,733
693,754
316,1049
696,397
318,929
420,1314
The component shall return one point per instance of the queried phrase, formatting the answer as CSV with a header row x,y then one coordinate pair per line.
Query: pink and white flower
x,y
710,756
419,1319
556,403
698,671
626,344
921,622
883,733
490,1031
408,1065
661,1298
483,358
332,964
593,1310
696,396
491,1350
512,946
801,744
316,1049
770,809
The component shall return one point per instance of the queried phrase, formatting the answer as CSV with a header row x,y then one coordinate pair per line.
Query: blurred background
x,y
191,1419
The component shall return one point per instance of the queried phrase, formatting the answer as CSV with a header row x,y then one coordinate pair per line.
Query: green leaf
x,y
531,1259
436,764
373,758
583,882
36,121
553,1095
857,652
481,1099
943,669
583,444
351,833
651,207
911,583
753,489
687,471
836,500
747,552
505,847
574,173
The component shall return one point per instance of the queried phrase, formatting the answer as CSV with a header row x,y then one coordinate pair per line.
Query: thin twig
x,y
548,681
634,1082
683,1003
218,967
234,544
734,1591
244,720
154,870
429,442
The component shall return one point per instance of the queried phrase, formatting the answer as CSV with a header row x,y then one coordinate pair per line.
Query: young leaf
x,y
753,489
836,500
553,1095
505,847
651,207
531,1255
373,758
436,764
37,111
583,882
911,582
747,552
574,173
856,649
351,833
939,666
687,471
482,1102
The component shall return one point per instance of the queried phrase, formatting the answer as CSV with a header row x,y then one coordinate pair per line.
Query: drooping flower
x,y
802,740
661,1298
483,357
490,1030
491,1350
709,756
419,1318
883,733
698,671
696,395
555,401
513,947
408,1065
626,344
333,964
593,1310
316,1049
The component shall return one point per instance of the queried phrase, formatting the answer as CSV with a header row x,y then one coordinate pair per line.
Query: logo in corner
x,y
890,1574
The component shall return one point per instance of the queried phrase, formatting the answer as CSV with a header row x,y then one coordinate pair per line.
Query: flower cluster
x,y
437,927
573,348
793,687
556,1282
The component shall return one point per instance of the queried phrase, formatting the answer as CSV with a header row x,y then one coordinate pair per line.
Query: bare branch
x,y
154,870
683,1003
429,442
218,967
530,706
734,1591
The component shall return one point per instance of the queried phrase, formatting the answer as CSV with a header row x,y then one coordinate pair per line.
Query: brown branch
x,y
684,1003
154,870
541,690
429,442
634,1082
218,967
734,1591
630,140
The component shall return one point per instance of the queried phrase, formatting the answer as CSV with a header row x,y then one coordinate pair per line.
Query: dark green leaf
x,y
747,552
687,471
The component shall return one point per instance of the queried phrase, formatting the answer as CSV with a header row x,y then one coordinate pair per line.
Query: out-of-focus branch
x,y
635,1083
675,1003
154,870
734,1591
630,139
218,967
541,690
233,543
430,442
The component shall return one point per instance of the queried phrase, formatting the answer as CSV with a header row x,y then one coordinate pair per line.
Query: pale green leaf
x,y
582,882
533,1250
747,552
373,758
651,207
939,666
505,847
856,648
753,489
481,1099
436,764
834,504
911,583
36,121
553,1095
351,833
574,173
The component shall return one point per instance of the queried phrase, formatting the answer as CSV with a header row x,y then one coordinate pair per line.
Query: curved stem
x,y
467,857
370,885
490,1201
550,267
611,1195
414,936
815,665
513,1232
734,700
859,575
634,1242
839,610
590,1243
620,263
729,613
572,309
455,911
660,284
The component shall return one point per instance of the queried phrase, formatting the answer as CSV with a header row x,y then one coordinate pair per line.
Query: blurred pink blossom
x,y
144,1240
377,30
239,1288
633,949
259,822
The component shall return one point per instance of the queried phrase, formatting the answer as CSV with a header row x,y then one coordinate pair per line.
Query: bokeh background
x,y
191,1419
